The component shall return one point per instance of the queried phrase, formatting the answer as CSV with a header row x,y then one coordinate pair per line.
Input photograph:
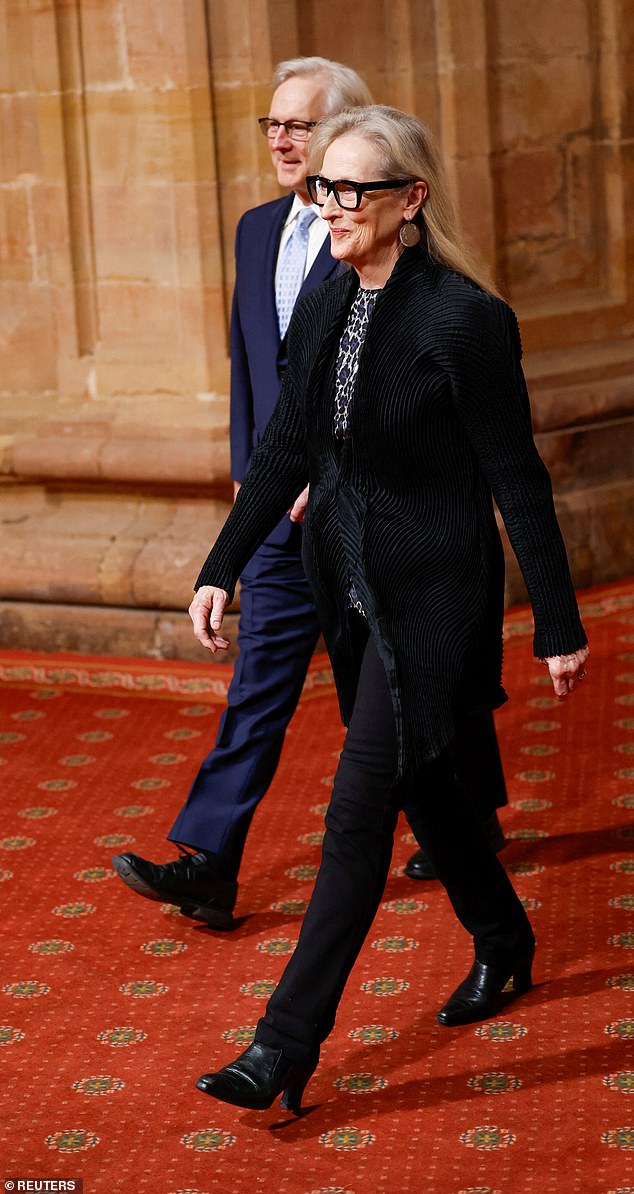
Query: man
x,y
282,252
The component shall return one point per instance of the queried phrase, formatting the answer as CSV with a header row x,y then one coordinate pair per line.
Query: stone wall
x,y
129,148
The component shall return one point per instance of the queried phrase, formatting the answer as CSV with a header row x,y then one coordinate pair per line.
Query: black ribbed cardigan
x,y
439,422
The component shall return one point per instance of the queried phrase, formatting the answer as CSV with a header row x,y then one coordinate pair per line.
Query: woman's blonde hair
x,y
407,150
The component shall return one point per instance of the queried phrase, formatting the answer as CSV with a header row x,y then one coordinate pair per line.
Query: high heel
x,y
479,994
522,976
291,1099
256,1078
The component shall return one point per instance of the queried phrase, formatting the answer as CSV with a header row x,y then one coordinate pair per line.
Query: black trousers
x,y
356,855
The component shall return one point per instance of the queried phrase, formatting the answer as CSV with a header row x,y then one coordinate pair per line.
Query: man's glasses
x,y
297,130
348,194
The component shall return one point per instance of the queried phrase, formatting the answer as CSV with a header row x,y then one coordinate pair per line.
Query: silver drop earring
x,y
409,234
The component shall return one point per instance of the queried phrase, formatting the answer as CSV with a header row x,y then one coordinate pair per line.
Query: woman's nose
x,y
330,207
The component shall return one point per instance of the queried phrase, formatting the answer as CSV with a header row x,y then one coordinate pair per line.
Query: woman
x,y
405,407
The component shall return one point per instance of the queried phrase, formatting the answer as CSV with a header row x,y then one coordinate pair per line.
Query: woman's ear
x,y
416,199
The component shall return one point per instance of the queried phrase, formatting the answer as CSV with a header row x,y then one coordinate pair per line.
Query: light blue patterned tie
x,y
292,266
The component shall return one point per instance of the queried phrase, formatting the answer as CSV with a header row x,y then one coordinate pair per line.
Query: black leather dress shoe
x,y
478,995
420,867
258,1076
189,883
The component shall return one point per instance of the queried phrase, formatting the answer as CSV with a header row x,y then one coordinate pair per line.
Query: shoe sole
x,y
135,882
216,918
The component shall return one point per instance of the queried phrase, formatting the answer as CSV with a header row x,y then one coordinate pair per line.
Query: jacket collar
x,y
338,297
411,261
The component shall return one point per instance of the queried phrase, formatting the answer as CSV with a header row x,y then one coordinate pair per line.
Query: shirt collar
x,y
296,207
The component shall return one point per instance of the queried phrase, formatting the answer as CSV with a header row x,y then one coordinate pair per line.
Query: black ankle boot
x,y
478,995
258,1076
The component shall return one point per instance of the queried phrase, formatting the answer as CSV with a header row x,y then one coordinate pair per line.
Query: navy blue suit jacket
x,y
258,356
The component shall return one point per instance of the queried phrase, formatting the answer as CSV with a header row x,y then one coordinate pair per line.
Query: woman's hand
x,y
206,612
298,509
567,670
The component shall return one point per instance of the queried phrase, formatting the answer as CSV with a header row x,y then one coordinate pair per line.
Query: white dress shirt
x,y
317,234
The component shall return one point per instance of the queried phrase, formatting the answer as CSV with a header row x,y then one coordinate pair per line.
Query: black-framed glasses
x,y
348,194
297,130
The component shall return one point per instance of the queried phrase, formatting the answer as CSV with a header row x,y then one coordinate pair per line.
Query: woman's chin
x,y
339,247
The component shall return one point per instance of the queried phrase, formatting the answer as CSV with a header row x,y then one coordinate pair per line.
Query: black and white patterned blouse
x,y
350,347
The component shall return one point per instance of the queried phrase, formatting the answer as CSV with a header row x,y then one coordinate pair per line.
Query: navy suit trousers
x,y
277,636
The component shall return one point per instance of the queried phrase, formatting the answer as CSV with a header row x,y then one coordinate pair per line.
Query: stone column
x,y
114,362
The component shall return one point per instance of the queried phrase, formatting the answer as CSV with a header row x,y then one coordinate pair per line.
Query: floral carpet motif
x,y
112,1005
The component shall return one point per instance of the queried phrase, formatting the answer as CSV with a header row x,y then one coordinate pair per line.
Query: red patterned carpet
x,y
111,1006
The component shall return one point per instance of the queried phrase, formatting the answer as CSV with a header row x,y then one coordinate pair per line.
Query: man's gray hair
x,y
344,87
